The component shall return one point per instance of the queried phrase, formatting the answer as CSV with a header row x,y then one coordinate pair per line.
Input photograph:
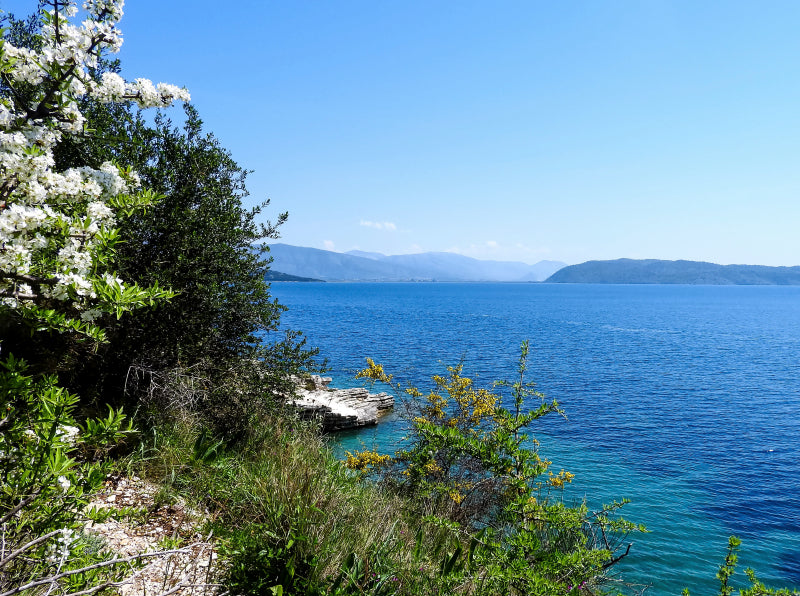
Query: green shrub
x,y
49,465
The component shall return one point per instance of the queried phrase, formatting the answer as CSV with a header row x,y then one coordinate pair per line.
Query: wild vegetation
x,y
137,334
469,462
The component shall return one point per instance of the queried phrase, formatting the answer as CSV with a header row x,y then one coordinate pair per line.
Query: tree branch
x,y
29,279
18,295
616,560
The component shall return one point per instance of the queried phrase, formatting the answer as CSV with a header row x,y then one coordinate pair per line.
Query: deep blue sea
x,y
683,399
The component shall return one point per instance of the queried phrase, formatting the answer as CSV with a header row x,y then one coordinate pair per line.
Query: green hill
x,y
653,271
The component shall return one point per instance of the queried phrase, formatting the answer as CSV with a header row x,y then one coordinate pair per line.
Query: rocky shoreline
x,y
339,409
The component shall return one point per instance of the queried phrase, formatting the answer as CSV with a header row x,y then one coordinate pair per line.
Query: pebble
x,y
161,573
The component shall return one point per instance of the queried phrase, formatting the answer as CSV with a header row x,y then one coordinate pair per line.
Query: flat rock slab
x,y
340,409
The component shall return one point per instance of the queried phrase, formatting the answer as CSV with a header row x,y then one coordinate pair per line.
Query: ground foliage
x,y
50,465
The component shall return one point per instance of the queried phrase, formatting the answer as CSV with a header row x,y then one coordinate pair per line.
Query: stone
x,y
339,409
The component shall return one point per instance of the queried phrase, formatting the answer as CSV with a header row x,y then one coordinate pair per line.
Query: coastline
x,y
339,409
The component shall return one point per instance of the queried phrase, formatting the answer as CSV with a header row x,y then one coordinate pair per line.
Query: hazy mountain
x,y
375,256
430,266
450,266
330,266
652,271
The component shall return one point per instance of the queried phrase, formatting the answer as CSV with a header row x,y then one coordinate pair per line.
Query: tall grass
x,y
288,513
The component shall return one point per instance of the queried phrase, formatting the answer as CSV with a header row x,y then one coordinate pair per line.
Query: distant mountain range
x,y
430,266
652,271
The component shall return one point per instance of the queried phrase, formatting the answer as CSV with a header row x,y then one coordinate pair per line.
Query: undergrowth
x,y
288,514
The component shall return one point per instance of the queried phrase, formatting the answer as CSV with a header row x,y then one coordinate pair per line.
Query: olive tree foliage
x,y
203,243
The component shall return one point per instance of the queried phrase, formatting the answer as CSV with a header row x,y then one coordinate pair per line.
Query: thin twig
x,y
26,501
115,561
619,558
210,561
25,547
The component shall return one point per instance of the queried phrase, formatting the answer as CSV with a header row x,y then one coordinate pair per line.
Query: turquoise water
x,y
684,399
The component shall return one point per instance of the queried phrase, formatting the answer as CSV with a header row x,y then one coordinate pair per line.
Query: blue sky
x,y
504,130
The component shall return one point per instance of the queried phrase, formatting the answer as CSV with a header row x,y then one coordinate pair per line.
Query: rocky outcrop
x,y
339,409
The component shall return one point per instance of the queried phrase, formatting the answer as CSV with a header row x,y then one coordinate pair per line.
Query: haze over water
x,y
684,399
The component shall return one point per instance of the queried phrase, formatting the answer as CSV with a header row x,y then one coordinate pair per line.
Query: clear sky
x,y
522,130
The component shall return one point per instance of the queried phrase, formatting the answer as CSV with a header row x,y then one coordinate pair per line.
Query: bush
x,y
261,560
471,464
728,569
50,465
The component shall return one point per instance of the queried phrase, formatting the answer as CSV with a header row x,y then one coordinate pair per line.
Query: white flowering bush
x,y
49,465
57,229
57,273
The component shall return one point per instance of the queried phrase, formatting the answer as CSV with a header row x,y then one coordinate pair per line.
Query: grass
x,y
288,513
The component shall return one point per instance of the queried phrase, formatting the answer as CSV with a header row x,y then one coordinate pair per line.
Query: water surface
x,y
684,399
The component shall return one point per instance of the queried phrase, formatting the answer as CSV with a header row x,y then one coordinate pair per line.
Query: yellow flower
x,y
374,372
560,479
362,461
432,467
456,496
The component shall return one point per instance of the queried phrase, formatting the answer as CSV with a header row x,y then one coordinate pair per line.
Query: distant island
x,y
299,261
653,271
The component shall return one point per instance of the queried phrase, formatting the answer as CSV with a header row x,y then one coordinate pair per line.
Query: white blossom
x,y
91,314
68,433
58,552
51,222
100,212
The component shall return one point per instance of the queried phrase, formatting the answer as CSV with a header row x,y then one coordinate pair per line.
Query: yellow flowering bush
x,y
560,479
470,461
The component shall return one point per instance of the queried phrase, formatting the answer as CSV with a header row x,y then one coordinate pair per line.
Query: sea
x,y
683,399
